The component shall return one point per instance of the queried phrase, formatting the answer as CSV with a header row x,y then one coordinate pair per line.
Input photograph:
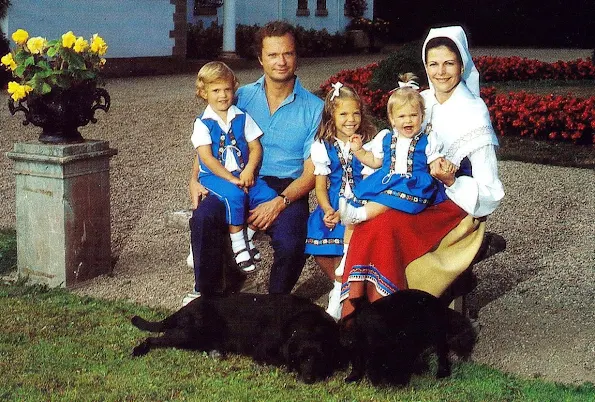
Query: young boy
x,y
229,153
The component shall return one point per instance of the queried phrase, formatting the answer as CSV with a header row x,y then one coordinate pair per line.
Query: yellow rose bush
x,y
40,66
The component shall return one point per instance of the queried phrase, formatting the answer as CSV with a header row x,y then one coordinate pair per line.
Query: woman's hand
x,y
197,192
443,170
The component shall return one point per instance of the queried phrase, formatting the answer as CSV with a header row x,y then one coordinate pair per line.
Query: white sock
x,y
238,243
250,232
341,268
334,301
353,215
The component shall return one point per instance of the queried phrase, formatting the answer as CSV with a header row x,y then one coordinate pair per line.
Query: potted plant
x,y
55,83
356,29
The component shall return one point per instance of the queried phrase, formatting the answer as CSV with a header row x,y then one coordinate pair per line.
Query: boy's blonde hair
x,y
327,129
214,71
405,95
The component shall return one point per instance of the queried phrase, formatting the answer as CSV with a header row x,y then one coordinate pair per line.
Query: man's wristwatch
x,y
286,200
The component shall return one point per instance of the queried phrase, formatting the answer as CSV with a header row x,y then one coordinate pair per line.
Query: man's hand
x,y
265,214
197,192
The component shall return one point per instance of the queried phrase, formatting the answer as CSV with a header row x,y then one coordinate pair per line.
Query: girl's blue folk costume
x,y
410,189
230,147
344,172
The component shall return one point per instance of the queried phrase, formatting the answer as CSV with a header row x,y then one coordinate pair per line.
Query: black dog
x,y
272,329
386,339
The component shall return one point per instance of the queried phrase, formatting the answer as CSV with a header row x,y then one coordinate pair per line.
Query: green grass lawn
x,y
57,346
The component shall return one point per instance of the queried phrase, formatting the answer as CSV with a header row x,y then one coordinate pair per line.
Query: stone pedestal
x,y
62,211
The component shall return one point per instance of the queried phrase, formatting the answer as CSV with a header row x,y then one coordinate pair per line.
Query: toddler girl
x,y
403,181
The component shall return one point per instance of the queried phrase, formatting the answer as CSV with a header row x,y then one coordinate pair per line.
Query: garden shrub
x,y
245,44
406,59
205,43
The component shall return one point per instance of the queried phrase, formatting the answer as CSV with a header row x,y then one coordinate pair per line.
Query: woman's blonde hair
x,y
327,129
405,95
214,71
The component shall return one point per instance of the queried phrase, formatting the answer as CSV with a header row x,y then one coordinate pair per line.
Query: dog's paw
x,y
443,372
354,377
141,350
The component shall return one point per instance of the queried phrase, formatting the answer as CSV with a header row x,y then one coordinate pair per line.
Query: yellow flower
x,y
80,45
8,61
98,45
68,39
20,36
36,44
18,91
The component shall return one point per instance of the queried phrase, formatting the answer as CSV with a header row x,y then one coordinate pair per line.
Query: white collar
x,y
232,112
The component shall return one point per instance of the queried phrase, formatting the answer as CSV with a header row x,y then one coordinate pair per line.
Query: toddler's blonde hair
x,y
214,71
405,95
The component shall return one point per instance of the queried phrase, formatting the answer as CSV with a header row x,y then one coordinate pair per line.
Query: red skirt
x,y
381,249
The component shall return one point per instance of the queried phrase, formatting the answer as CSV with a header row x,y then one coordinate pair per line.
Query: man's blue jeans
x,y
208,231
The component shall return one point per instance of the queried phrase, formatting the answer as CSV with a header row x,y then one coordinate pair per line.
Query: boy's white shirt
x,y
201,136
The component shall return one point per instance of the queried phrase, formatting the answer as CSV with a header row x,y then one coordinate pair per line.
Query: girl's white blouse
x,y
462,125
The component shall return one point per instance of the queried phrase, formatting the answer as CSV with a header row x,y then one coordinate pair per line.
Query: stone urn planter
x,y
61,112
359,38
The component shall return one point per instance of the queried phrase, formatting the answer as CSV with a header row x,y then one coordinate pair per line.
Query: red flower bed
x,y
493,69
551,117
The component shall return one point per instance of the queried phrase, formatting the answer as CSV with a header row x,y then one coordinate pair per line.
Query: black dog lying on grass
x,y
272,329
386,339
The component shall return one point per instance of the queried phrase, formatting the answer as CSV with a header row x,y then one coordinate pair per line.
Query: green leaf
x,y
18,72
51,51
45,88
74,60
29,61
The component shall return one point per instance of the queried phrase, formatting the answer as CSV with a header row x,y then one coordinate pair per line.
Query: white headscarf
x,y
455,33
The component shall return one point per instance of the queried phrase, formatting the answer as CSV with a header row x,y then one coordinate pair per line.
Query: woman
x,y
429,250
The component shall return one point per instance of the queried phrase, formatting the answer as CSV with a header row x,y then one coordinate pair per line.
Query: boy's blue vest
x,y
237,127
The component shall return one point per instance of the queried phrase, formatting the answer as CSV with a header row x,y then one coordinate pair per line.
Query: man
x,y
289,116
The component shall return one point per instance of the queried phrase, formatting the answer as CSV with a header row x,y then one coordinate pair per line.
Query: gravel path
x,y
535,300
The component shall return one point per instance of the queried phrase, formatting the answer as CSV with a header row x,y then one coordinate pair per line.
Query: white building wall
x,y
139,28
259,12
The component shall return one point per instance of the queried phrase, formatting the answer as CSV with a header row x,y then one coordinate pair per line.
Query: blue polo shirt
x,y
288,133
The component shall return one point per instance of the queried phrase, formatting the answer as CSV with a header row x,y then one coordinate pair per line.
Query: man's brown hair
x,y
273,28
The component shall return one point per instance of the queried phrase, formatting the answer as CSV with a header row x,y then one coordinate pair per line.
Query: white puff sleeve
x,y
481,194
320,159
375,146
